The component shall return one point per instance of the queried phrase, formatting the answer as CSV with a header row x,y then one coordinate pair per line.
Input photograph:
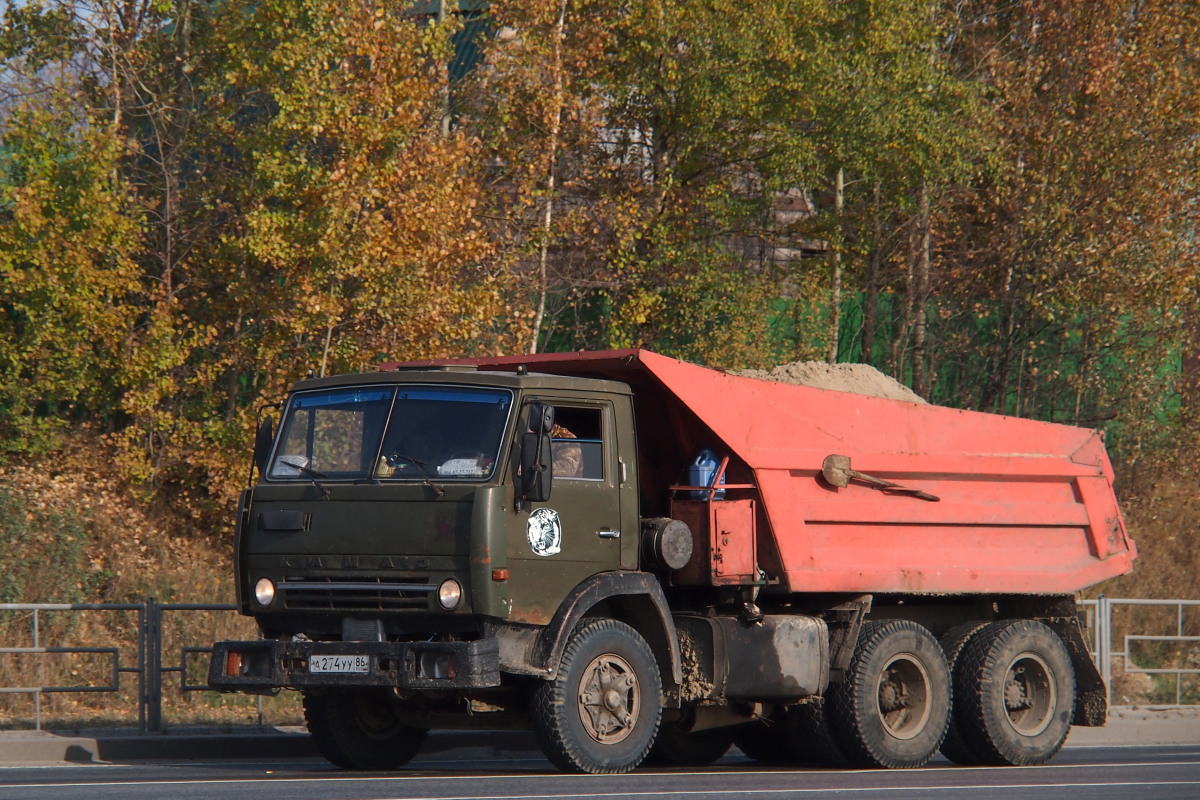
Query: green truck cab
x,y
411,557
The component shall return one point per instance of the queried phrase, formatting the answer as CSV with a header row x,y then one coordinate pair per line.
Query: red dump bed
x,y
1022,506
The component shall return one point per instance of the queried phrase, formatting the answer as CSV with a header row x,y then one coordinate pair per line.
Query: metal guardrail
x,y
1106,653
149,668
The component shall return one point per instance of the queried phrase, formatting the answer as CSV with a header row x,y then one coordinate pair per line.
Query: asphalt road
x,y
1078,773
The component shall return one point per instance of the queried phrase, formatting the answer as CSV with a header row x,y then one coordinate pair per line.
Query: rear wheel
x,y
894,706
954,746
358,729
765,741
1016,693
682,748
812,737
601,711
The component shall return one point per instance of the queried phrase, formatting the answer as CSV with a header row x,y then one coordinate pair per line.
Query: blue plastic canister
x,y
701,473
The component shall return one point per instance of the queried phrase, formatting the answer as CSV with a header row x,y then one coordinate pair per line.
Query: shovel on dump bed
x,y
837,472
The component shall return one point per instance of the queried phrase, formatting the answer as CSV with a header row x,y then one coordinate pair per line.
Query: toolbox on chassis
x,y
629,553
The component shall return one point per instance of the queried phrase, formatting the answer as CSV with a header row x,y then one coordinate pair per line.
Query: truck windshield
x,y
417,433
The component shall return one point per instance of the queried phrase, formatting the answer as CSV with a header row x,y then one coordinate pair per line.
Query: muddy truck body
x,y
639,557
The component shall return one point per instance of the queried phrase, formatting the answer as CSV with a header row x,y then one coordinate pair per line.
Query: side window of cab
x,y
577,443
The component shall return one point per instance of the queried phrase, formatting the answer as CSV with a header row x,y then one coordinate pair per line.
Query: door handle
x,y
607,534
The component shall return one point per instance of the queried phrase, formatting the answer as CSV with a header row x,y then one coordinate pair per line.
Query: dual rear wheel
x,y
891,711
893,708
998,693
1014,695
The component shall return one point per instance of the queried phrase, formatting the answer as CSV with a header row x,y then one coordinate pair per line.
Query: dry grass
x,y
72,533
1164,520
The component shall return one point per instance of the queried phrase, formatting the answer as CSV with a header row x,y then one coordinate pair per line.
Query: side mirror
x,y
541,418
536,466
262,444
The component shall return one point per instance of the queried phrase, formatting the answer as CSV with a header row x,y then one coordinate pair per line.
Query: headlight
x,y
264,591
449,594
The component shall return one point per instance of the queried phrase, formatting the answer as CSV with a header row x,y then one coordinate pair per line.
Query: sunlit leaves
x,y
69,240
1081,236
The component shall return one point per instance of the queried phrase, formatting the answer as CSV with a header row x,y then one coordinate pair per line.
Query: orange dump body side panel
x,y
1023,507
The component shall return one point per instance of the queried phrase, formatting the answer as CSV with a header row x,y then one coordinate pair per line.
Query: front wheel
x,y
894,706
1015,693
600,713
358,729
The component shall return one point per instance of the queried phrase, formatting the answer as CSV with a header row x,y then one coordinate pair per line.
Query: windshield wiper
x,y
401,460
300,464
313,475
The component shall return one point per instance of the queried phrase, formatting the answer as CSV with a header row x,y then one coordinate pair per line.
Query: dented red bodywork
x,y
1024,507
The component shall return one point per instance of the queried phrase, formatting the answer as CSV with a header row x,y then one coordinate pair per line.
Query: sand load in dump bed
x,y
853,378
977,503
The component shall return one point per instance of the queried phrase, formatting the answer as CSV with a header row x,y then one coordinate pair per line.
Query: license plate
x,y
339,664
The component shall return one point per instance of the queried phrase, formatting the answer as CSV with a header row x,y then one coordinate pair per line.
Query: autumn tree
x,y
200,203
703,100
899,127
235,198
71,231
346,230
669,133
1077,249
69,277
534,103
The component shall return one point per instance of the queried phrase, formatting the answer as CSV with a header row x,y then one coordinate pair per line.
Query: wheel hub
x,y
609,700
891,694
1030,695
903,696
375,719
1014,693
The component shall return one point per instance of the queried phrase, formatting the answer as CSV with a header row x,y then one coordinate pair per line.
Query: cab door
x,y
552,546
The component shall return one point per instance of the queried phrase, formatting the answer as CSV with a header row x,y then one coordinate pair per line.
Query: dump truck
x,y
638,557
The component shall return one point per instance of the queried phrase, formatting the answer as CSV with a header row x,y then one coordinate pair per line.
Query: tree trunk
x,y
920,289
996,390
325,348
445,121
552,163
900,340
872,287
835,293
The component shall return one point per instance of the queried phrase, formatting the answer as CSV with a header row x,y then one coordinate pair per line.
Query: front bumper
x,y
265,666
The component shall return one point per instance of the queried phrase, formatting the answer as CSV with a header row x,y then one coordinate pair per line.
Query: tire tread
x,y
554,697
955,746
985,734
852,730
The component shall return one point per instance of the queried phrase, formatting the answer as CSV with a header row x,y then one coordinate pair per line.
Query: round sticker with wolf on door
x,y
545,532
